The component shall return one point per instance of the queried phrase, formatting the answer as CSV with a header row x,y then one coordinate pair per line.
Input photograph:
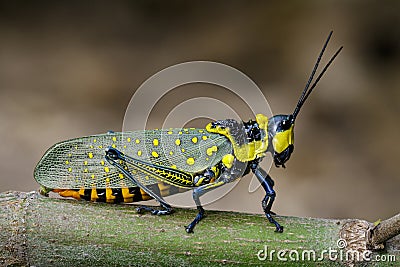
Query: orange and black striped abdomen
x,y
119,195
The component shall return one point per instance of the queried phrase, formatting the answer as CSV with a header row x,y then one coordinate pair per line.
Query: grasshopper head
x,y
281,138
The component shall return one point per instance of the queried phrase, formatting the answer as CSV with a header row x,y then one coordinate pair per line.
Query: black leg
x,y
197,193
112,156
267,183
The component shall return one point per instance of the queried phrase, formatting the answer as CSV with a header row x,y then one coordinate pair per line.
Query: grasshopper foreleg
x,y
267,183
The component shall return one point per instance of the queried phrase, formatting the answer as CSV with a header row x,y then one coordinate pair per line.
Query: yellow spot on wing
x,y
85,162
171,153
106,169
183,150
169,132
70,169
67,162
90,155
114,146
101,162
155,142
92,176
128,139
154,154
139,153
137,141
177,142
114,139
204,137
173,166
120,175
190,161
211,150
194,140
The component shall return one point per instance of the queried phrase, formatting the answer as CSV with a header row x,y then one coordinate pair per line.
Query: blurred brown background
x,y
69,68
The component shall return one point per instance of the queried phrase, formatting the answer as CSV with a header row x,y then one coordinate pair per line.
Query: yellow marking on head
x,y
70,169
101,162
90,155
114,139
227,160
282,140
190,161
155,142
139,153
128,139
211,150
194,140
169,132
106,169
120,175
67,162
114,146
137,141
154,154
177,142
173,166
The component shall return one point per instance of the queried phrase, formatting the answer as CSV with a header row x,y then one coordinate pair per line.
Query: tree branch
x,y
39,231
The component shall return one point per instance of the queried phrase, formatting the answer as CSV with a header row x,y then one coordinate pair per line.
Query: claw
x,y
189,229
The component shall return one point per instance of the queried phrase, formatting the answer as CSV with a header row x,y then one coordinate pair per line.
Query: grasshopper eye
x,y
285,124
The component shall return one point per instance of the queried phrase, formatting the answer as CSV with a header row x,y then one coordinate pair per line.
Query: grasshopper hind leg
x,y
165,211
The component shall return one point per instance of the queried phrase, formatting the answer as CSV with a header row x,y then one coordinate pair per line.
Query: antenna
x,y
307,90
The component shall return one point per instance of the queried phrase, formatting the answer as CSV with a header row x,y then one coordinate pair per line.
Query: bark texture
x,y
39,231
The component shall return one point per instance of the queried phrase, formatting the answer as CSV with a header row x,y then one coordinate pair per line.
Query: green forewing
x,y
80,163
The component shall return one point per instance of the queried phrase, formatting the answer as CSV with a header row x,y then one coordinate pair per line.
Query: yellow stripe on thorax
x,y
248,151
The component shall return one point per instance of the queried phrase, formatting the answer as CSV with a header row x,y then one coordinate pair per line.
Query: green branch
x,y
38,231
